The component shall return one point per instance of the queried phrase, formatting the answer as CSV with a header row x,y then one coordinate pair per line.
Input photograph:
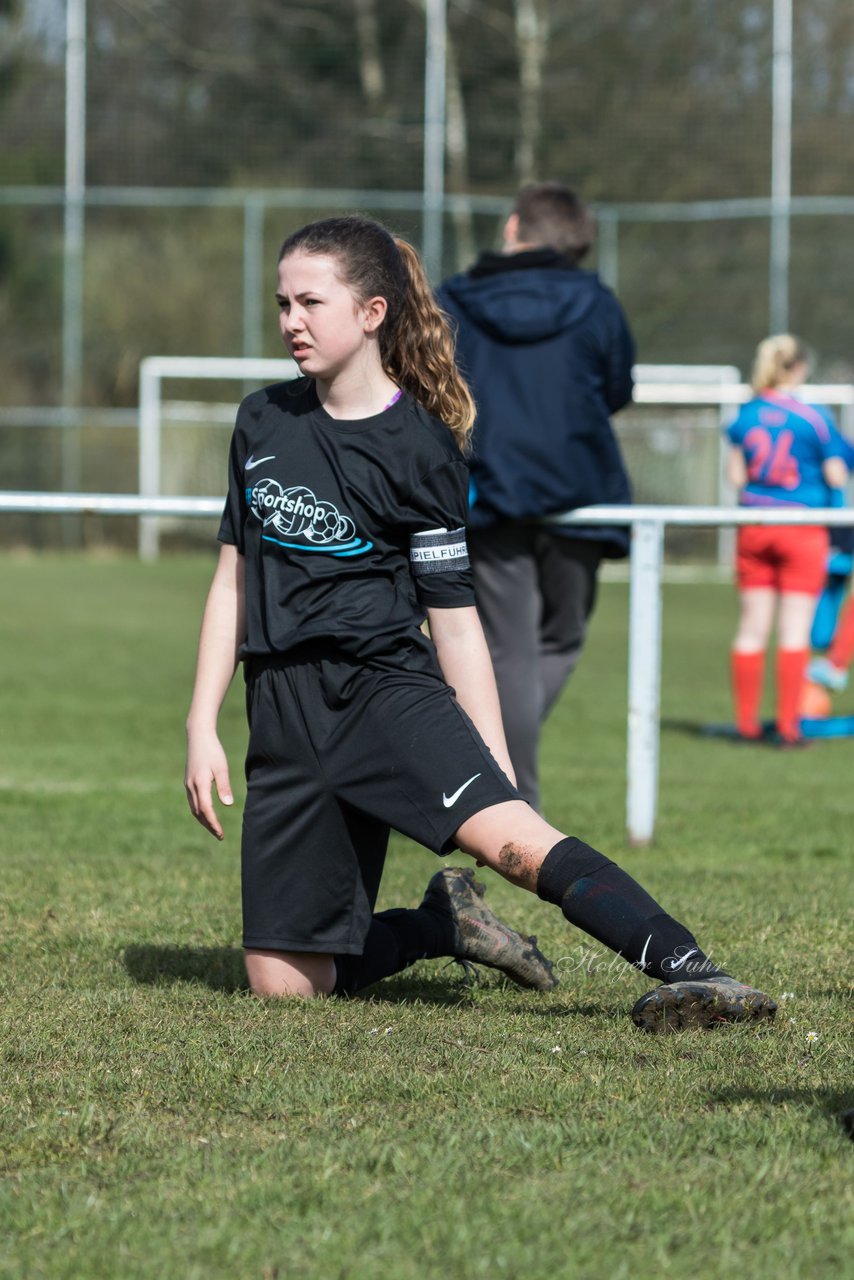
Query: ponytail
x,y
775,357
415,340
420,357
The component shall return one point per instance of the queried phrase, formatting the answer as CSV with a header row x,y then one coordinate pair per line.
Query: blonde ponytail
x,y
775,358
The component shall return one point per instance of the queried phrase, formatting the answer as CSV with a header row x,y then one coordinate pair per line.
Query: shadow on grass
x,y
221,969
700,729
831,1102
451,991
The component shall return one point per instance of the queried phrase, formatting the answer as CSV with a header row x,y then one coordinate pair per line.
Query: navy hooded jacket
x,y
548,354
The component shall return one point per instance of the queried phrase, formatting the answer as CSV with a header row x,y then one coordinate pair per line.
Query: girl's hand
x,y
206,767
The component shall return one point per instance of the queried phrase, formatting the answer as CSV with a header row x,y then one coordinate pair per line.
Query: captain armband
x,y
438,551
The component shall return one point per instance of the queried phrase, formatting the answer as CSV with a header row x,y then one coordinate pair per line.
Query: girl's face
x,y
326,330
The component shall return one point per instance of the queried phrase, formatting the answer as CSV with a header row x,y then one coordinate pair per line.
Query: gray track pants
x,y
535,593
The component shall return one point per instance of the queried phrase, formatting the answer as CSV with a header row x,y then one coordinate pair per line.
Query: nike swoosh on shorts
x,y
448,801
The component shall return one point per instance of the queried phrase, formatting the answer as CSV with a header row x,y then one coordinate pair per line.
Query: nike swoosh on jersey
x,y
448,801
252,461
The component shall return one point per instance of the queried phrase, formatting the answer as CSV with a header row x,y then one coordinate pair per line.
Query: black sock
x,y
600,898
396,939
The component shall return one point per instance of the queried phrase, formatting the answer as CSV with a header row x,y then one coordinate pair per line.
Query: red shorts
x,y
784,557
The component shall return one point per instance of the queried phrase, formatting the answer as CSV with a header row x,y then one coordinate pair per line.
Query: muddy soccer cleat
x,y
481,937
679,1006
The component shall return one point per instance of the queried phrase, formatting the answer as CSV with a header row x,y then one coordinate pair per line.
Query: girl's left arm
x,y
736,467
835,473
466,665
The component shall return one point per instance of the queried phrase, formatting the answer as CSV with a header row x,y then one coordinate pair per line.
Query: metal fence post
x,y
781,168
72,252
644,678
149,453
435,72
253,272
608,247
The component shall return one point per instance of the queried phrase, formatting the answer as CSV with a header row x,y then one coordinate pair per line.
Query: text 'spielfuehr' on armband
x,y
439,551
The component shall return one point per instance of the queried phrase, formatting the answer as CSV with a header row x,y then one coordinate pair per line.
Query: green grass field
x,y
159,1122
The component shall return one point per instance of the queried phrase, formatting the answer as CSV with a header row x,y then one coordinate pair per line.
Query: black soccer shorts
x,y
338,754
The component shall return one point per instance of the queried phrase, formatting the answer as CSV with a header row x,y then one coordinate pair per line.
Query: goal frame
x,y
153,371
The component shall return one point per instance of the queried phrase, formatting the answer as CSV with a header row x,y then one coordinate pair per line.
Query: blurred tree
x,y
533,27
30,273
370,56
629,100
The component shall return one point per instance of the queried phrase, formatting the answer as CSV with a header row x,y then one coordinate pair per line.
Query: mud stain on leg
x,y
520,864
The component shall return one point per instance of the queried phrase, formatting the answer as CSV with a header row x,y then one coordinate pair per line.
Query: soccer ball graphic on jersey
x,y
328,525
266,501
297,512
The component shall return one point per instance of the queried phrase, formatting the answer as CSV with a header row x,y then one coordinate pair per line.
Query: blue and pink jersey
x,y
785,443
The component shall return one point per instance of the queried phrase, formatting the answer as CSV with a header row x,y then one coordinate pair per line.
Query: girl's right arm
x,y
223,631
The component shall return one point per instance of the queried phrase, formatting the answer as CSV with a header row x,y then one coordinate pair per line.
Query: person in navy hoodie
x,y
548,353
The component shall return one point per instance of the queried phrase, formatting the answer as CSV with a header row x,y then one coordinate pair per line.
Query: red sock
x,y
842,650
747,671
791,666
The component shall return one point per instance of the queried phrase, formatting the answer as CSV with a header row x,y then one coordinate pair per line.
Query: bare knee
x,y
288,974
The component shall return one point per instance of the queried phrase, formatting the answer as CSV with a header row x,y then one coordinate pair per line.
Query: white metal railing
x,y
667,384
107,504
647,523
670,386
152,371
717,386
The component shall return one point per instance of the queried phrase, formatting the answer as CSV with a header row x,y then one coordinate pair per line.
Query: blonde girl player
x,y
343,529
784,453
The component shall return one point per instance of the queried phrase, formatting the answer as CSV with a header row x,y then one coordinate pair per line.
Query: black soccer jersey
x,y
350,529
